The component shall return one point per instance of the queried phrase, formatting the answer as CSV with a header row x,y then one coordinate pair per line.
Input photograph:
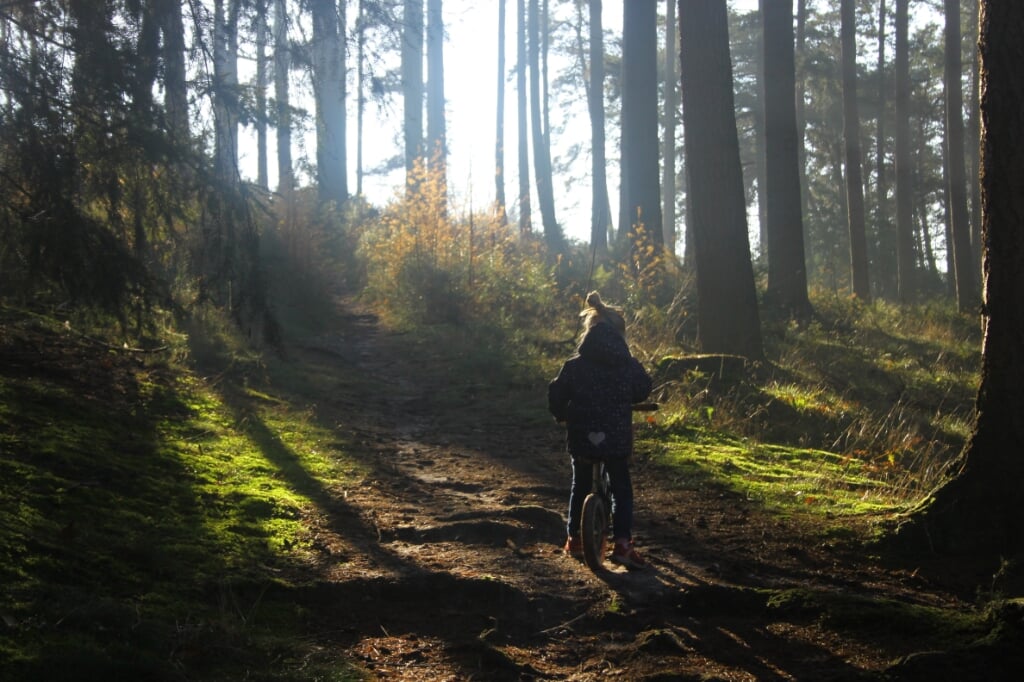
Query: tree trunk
x,y
329,90
761,152
175,88
668,156
262,169
541,150
360,92
225,78
282,66
974,144
904,163
600,209
727,301
412,86
499,133
885,271
787,271
801,107
525,222
979,511
640,193
956,177
851,137
437,134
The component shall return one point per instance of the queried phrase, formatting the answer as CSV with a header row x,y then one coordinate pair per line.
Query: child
x,y
593,394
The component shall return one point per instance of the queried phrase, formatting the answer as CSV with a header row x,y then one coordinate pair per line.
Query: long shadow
x,y
527,451
110,568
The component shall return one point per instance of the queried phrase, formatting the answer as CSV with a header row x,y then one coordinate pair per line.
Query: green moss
x,y
129,496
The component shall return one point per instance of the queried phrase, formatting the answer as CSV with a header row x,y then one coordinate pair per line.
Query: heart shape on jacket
x,y
596,437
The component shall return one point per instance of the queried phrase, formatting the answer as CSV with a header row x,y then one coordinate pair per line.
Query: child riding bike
x,y
593,394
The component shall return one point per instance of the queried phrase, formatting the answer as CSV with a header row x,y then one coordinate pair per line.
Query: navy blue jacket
x,y
594,393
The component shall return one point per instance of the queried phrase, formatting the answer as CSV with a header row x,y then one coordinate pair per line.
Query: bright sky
x,y
470,88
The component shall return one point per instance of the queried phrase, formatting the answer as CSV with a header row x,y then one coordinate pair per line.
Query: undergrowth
x,y
863,408
143,504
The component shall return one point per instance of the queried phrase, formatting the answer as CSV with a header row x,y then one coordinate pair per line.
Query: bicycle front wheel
x,y
594,531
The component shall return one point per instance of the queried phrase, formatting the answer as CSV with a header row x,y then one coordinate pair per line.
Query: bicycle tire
x,y
594,531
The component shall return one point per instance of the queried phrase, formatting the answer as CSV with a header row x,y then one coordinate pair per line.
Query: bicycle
x,y
597,509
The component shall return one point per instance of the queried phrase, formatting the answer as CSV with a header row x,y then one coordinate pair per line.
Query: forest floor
x,y
437,553
451,565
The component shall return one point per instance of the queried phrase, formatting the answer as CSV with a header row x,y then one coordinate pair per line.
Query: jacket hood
x,y
604,345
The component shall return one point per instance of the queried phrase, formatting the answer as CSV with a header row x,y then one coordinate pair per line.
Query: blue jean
x,y
622,496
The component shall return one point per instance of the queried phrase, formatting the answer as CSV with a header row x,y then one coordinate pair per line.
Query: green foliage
x,y
425,267
149,530
866,408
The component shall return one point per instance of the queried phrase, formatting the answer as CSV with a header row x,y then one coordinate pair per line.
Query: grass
x,y
154,512
863,411
145,511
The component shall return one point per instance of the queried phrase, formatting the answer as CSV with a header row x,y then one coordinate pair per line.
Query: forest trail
x,y
445,561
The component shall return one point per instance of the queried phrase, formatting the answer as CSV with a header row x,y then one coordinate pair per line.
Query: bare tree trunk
x,y
886,265
282,66
225,78
761,155
904,164
640,192
801,107
525,222
600,209
979,511
329,89
499,134
360,93
262,169
437,136
668,192
974,137
726,299
175,88
541,150
412,85
963,259
787,270
851,137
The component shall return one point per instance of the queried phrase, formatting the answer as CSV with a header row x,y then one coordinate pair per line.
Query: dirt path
x,y
445,561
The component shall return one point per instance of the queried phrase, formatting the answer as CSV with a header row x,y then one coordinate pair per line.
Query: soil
x,y
445,562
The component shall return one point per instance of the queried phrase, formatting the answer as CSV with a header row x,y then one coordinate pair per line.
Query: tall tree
x,y
787,271
904,162
283,109
412,85
668,156
978,512
262,169
329,90
600,209
974,141
960,226
360,91
523,203
882,228
437,135
728,320
499,133
225,88
640,193
541,147
801,106
175,86
851,138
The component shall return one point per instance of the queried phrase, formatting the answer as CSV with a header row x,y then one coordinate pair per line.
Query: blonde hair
x,y
597,311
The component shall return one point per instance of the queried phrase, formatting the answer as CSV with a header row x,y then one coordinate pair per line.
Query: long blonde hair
x,y
597,311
